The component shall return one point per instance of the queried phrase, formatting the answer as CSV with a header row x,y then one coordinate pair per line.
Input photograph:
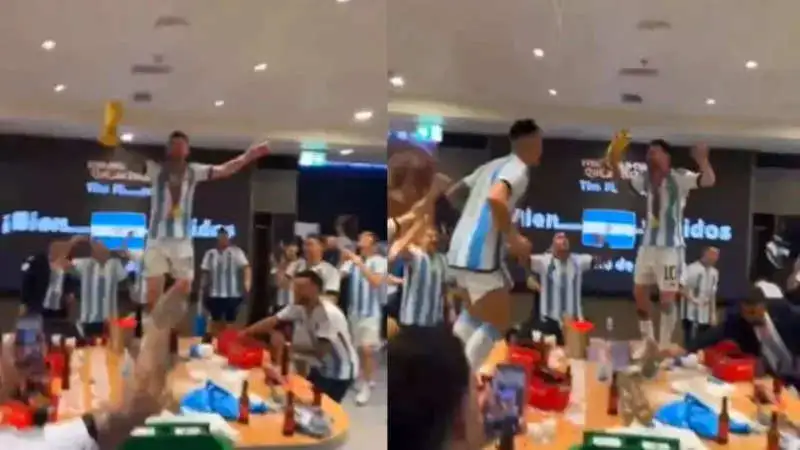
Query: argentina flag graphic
x,y
112,227
613,228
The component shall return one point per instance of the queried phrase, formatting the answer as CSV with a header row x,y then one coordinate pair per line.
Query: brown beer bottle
x,y
773,434
724,423
244,404
568,376
777,388
173,342
506,441
289,425
317,396
613,397
66,371
287,350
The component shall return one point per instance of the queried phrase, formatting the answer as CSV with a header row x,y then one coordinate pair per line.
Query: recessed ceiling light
x,y
397,81
553,92
711,101
346,151
260,67
363,115
219,103
538,53
59,87
342,1
49,45
126,137
751,64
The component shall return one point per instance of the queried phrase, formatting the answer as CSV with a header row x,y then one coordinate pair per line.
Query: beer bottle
x,y
506,441
139,317
285,357
289,425
613,396
568,375
317,396
773,434
66,371
173,342
777,388
244,404
724,422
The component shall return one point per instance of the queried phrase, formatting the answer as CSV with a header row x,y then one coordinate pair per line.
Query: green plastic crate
x,y
596,440
165,436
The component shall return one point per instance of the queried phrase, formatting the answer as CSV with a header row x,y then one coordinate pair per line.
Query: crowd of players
x,y
437,405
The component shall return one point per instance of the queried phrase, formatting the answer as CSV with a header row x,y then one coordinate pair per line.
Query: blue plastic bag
x,y
213,398
691,413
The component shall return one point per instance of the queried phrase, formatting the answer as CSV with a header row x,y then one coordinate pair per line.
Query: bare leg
x,y
641,293
367,355
155,287
494,311
668,318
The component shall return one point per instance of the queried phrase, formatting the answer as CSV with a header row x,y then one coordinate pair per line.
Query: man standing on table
x,y
561,282
330,337
367,273
226,279
764,325
661,251
169,247
699,306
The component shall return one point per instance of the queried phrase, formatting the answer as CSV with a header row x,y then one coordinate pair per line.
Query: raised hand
x,y
700,154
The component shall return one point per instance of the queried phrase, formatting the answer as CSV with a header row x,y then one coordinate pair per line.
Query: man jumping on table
x,y
169,241
661,252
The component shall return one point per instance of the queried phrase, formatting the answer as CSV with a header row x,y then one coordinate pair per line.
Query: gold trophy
x,y
617,147
111,119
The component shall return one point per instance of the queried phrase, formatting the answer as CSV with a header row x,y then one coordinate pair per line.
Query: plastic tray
x,y
168,436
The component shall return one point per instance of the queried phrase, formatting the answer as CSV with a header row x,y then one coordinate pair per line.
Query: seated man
x,y
337,361
763,325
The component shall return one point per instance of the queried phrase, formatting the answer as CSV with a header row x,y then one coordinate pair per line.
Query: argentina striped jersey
x,y
665,203
424,278
168,218
561,283
366,300
701,282
99,284
286,295
476,244
53,298
225,271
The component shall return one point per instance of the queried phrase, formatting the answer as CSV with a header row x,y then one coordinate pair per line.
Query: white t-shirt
x,y
331,278
68,435
327,322
173,219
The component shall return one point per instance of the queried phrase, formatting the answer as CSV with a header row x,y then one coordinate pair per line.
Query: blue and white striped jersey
x,y
286,295
365,299
225,271
173,219
99,285
53,298
701,282
476,244
664,225
424,279
327,322
561,284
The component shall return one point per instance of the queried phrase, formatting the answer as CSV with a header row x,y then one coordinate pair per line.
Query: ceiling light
x,y
346,151
711,101
751,65
49,45
342,1
553,92
59,87
260,67
363,115
538,53
219,103
126,137
397,81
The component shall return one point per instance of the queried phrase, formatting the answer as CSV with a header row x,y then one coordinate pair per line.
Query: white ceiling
x,y
326,60
471,62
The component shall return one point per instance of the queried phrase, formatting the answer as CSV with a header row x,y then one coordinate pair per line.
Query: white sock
x,y
480,344
666,325
646,328
465,326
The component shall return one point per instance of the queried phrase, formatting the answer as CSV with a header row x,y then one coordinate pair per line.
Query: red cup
x,y
548,396
734,370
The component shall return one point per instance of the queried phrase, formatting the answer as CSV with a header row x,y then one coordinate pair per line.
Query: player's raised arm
x,y
707,176
233,166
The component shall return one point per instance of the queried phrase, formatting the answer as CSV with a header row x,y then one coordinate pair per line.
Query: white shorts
x,y
169,256
366,331
478,284
660,266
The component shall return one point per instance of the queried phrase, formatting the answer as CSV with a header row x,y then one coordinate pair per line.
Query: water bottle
x,y
605,365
